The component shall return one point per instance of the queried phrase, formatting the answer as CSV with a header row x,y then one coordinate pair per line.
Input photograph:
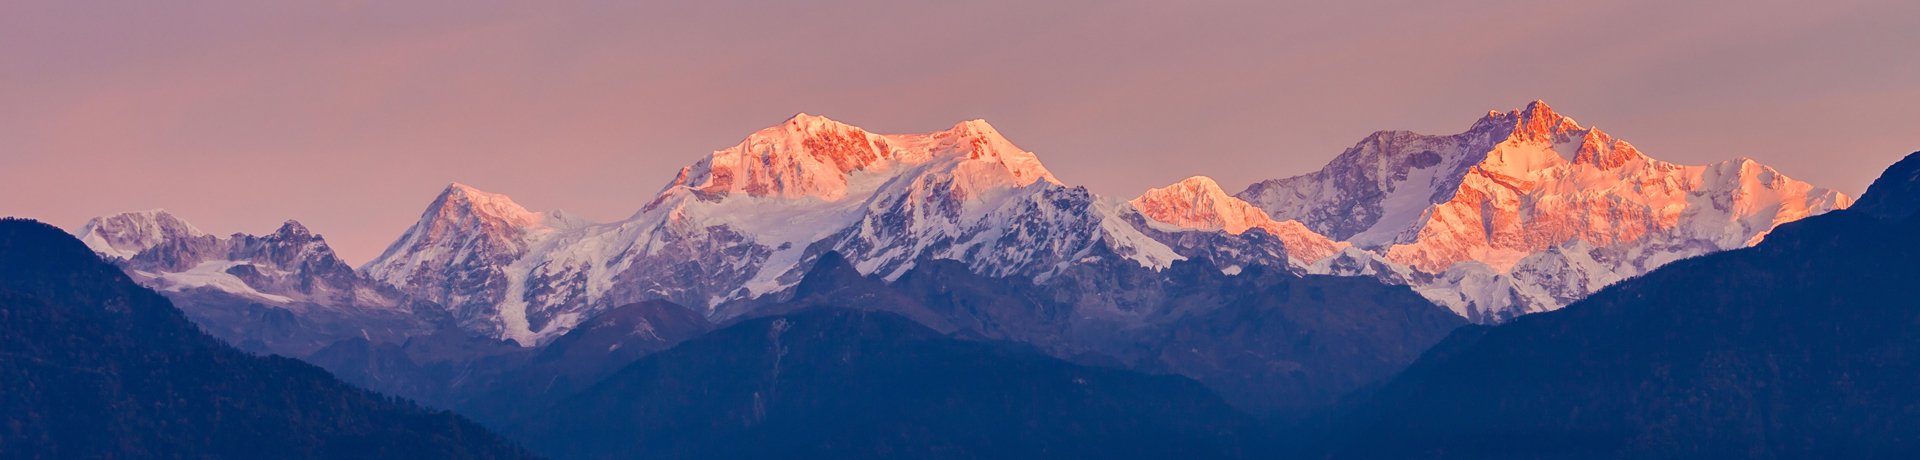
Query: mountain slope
x,y
1270,342
285,292
1492,220
96,366
583,357
827,383
460,253
1285,347
1798,347
495,381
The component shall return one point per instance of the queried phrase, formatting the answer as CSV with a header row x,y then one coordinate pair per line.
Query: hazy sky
x,y
350,116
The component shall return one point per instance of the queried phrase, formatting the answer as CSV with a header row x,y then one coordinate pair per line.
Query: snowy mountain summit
x,y
748,220
127,234
1198,203
1528,210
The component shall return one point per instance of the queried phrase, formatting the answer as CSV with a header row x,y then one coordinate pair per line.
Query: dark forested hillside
x,y
1270,342
584,356
93,365
833,383
1805,346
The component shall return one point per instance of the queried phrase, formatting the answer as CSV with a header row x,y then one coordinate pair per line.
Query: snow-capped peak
x,y
465,203
463,219
808,119
1198,203
127,234
1522,183
287,267
806,156
292,229
976,140
1603,151
811,156
1537,122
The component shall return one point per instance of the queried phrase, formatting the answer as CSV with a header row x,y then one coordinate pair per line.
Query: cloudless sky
x,y
351,116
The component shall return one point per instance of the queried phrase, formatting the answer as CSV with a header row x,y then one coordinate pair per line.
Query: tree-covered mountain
x,y
839,383
95,366
1803,346
1270,342
497,381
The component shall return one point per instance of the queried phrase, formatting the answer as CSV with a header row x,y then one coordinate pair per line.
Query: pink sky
x,y
350,116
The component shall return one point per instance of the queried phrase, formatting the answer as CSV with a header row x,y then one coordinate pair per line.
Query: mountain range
x,y
1524,212
1313,305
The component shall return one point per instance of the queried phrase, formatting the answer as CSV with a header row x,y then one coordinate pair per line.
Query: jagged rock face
x,y
285,292
1033,231
293,259
1528,210
289,264
1366,193
1232,253
745,222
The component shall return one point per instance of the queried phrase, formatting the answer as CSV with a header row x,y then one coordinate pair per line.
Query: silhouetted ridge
x,y
1896,194
44,257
